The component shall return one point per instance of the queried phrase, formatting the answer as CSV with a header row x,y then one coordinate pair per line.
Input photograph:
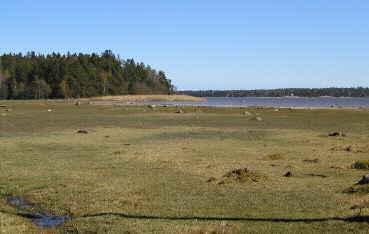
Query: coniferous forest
x,y
37,76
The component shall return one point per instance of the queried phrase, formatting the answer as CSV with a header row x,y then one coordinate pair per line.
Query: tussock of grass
x,y
118,152
241,175
275,156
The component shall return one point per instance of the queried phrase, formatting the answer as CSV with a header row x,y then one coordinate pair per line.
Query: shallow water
x,y
315,102
39,218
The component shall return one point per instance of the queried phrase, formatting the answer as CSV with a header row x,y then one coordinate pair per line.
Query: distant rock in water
x,y
247,113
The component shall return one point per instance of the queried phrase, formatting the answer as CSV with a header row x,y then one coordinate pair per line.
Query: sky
x,y
205,44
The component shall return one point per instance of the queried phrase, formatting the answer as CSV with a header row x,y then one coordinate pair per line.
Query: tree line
x,y
36,76
300,92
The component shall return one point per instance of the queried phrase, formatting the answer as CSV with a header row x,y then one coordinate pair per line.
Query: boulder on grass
x,y
334,134
364,180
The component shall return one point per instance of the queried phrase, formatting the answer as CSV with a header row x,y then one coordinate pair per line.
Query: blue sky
x,y
206,44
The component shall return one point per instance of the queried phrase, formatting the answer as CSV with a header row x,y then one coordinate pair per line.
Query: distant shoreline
x,y
282,92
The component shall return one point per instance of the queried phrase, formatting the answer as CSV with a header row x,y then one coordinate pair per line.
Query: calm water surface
x,y
278,102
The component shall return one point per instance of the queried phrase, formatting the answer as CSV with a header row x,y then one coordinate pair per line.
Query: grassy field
x,y
143,170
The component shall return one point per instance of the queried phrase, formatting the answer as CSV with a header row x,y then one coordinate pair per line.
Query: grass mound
x,y
315,160
352,148
241,176
361,165
274,157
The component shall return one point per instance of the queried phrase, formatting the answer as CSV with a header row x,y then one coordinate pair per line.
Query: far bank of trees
x,y
35,76
301,92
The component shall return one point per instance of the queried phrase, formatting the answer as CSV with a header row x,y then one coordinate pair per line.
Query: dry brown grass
x,y
356,148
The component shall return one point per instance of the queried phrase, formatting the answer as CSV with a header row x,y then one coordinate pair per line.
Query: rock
x,y
179,112
8,110
257,118
211,179
364,180
288,174
247,113
276,110
336,134
165,105
82,131
361,165
49,110
3,106
78,103
152,107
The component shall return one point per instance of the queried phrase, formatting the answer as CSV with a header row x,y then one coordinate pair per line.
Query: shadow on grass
x,y
354,219
359,218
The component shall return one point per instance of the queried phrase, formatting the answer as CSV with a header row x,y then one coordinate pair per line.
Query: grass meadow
x,y
151,170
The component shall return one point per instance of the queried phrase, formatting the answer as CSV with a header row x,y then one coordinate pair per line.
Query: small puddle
x,y
41,219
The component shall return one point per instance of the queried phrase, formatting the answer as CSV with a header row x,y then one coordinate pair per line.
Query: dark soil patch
x,y
317,175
